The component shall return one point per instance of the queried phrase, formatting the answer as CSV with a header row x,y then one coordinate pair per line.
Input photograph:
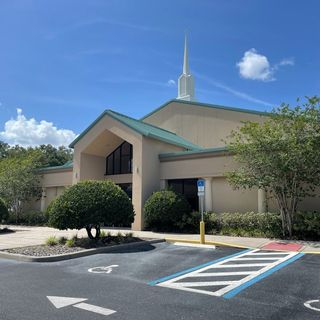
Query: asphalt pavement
x,y
126,287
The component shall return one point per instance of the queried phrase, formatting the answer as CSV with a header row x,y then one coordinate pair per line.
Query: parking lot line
x,y
230,285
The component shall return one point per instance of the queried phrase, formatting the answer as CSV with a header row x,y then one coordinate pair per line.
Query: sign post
x,y
201,186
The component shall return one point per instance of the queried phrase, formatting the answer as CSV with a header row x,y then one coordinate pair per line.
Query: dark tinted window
x,y
120,160
110,164
188,187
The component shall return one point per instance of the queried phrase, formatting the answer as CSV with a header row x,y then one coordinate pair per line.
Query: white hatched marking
x,y
222,274
254,258
221,266
202,284
232,284
267,253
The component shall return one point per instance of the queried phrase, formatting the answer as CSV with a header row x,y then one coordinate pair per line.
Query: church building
x,y
173,145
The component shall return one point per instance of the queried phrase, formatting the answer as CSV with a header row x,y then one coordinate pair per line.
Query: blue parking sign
x,y
200,184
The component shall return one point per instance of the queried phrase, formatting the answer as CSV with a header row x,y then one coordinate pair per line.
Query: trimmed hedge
x,y
90,203
306,224
248,224
30,218
165,211
3,211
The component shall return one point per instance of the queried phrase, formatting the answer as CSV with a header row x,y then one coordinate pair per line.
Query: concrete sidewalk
x,y
29,236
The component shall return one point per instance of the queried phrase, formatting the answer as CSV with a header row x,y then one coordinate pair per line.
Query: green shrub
x,y
30,218
70,242
35,218
4,214
306,225
165,211
51,241
250,224
191,222
90,203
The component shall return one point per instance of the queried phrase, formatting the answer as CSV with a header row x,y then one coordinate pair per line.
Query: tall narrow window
x,y
120,160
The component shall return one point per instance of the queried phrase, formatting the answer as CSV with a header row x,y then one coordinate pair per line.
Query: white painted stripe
x,y
221,274
268,253
202,283
96,309
242,265
210,293
254,258
194,245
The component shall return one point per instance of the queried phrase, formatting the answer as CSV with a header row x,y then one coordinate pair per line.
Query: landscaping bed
x,y
59,246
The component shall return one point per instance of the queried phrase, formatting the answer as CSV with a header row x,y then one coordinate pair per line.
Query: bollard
x,y
202,233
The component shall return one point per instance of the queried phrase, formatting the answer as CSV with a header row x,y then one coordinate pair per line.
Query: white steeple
x,y
186,82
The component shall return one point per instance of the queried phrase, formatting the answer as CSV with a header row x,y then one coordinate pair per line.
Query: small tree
x,y
19,181
90,203
280,155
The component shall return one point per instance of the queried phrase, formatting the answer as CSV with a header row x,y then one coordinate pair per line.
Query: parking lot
x,y
165,281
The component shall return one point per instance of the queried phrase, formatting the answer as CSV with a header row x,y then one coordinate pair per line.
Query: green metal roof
x,y
143,128
67,165
193,152
207,105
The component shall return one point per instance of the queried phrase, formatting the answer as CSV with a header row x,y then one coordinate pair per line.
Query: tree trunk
x,y
89,231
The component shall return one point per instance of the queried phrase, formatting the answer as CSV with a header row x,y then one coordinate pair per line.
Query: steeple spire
x,y
185,58
186,82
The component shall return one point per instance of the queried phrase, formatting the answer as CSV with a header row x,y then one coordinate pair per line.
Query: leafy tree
x,y
90,203
50,155
280,155
4,147
19,181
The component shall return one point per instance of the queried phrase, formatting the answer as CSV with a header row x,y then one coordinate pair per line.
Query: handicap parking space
x,y
125,285
230,275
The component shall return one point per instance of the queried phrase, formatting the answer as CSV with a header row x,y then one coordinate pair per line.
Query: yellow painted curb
x,y
310,252
209,242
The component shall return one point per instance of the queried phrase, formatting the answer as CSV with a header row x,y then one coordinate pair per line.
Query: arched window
x,y
120,160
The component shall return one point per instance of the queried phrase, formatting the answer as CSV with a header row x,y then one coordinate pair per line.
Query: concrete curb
x,y
73,255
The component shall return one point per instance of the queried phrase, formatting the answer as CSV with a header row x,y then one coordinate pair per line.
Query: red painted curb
x,y
282,246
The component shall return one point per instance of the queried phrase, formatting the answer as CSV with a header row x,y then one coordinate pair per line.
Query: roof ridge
x,y
140,121
208,105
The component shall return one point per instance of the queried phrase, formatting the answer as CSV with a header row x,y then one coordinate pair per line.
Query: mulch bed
x,y
46,251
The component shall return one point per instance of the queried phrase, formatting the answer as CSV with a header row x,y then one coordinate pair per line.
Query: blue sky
x,y
64,62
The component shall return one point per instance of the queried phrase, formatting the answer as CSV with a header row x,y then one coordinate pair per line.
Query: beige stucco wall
x,y
224,198
204,126
56,178
199,167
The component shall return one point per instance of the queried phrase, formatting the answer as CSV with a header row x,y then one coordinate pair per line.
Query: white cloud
x,y
171,83
255,66
286,62
30,132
